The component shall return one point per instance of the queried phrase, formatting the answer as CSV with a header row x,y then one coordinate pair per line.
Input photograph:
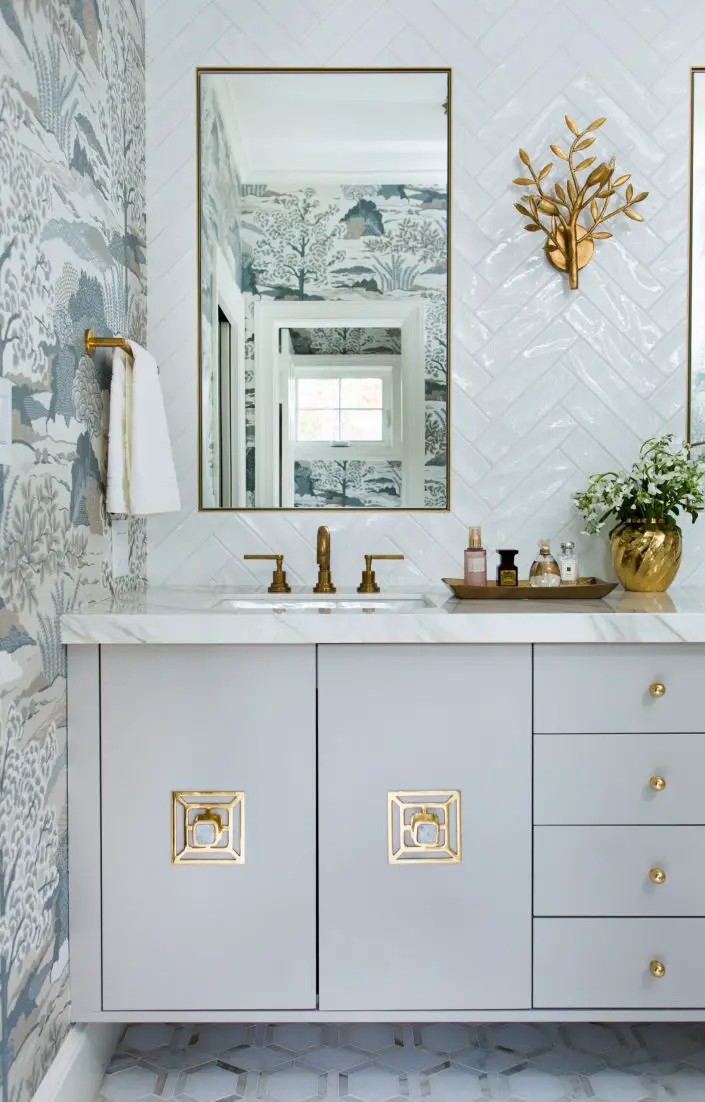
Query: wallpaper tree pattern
x,y
355,242
72,255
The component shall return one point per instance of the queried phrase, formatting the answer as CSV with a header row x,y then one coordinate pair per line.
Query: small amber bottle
x,y
507,572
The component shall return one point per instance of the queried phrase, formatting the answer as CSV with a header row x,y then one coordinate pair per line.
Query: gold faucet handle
x,y
279,582
368,583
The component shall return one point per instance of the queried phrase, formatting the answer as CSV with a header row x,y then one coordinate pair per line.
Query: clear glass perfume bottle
x,y
544,569
568,563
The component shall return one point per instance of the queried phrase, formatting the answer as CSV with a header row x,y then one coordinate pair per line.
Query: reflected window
x,y
342,408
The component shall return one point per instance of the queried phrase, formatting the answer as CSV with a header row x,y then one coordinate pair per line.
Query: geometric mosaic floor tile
x,y
440,1062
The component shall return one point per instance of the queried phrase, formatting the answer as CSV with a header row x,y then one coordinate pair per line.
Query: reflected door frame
x,y
228,299
271,317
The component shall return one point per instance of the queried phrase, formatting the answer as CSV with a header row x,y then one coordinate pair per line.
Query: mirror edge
x,y
695,69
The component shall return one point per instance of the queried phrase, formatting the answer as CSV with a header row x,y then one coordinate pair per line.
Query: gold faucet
x,y
325,582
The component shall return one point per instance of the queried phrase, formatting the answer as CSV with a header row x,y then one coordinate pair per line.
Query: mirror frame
x,y
695,70
224,69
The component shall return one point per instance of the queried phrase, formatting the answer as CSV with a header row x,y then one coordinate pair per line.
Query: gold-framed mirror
x,y
323,222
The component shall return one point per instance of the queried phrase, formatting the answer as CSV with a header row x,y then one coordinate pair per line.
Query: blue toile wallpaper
x,y
72,255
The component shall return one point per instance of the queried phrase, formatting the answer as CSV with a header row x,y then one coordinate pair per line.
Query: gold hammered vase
x,y
646,554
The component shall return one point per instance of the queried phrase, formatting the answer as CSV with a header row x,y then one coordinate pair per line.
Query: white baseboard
x,y
78,1068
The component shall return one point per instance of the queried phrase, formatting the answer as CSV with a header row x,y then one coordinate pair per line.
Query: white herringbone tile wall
x,y
549,385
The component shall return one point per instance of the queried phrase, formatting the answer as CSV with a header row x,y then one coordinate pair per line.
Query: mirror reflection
x,y
323,201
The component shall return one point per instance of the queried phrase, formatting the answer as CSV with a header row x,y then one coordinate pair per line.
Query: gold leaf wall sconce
x,y
573,214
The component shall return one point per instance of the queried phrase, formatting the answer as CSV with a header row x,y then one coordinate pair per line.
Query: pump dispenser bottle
x,y
475,559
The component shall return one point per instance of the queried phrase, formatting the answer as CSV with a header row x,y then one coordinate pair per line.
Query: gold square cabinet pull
x,y
657,689
279,582
657,783
369,583
657,969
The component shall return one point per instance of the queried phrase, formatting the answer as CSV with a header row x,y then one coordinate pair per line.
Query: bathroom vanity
x,y
417,808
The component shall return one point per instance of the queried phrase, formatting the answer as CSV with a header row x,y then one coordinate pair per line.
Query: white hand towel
x,y
143,478
118,491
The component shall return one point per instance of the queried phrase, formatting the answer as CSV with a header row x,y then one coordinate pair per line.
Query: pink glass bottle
x,y
475,559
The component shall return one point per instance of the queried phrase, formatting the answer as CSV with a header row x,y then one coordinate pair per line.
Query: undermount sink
x,y
325,603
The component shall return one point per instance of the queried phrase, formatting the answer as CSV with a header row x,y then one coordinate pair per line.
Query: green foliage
x,y
664,481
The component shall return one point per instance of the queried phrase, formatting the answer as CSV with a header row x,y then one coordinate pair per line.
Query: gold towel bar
x,y
91,342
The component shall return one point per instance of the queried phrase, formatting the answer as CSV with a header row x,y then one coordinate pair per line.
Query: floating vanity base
x,y
449,832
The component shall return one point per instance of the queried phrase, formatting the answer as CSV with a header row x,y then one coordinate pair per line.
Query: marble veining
x,y
205,615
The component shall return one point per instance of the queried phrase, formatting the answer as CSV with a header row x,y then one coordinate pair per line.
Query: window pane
x,y
361,424
318,425
355,393
318,393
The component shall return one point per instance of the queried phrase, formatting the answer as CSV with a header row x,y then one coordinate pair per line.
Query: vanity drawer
x,y
605,687
606,963
605,779
619,871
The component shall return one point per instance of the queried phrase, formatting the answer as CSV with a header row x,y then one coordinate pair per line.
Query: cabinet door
x,y
208,827
424,904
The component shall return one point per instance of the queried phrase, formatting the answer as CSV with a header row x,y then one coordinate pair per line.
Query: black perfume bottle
x,y
507,572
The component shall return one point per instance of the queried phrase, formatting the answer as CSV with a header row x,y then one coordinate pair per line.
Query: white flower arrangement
x,y
666,480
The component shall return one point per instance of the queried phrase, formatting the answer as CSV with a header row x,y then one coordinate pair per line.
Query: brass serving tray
x,y
585,589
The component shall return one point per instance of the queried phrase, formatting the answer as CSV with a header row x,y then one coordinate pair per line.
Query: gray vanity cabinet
x,y
407,734
218,744
375,812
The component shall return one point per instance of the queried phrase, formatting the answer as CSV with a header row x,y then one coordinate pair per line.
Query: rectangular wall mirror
x,y
323,288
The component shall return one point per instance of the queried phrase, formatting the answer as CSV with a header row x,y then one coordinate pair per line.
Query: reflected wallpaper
x,y
364,241
72,255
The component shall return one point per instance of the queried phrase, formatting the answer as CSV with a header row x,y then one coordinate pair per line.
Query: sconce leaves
x,y
569,242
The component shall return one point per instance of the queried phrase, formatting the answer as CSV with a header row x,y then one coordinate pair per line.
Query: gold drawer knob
x,y
657,876
657,688
657,783
657,969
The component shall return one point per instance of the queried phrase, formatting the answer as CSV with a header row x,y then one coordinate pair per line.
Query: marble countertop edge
x,y
197,616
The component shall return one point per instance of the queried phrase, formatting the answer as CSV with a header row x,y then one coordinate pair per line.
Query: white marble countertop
x,y
206,615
